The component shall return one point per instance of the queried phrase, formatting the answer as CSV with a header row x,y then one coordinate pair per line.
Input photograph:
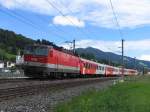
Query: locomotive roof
x,y
57,48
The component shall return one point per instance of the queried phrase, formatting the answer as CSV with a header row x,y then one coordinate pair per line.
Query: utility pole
x,y
122,57
135,63
109,59
74,46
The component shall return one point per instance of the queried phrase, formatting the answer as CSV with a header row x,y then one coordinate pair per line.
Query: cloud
x,y
144,57
130,13
68,21
40,6
141,47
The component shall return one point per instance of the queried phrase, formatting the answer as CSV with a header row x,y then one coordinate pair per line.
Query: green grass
x,y
130,96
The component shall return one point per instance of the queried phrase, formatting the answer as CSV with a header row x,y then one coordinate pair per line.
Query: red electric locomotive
x,y
41,60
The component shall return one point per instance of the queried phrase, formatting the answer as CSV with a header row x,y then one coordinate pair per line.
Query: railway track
x,y
13,80
10,93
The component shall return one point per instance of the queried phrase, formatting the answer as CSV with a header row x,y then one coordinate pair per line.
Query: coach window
x,y
86,65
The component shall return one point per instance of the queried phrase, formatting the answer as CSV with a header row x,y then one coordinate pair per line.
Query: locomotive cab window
x,y
36,50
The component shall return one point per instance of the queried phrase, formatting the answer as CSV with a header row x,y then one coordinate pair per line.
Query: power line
x,y
69,10
57,28
57,34
18,18
26,21
59,11
43,20
84,32
116,19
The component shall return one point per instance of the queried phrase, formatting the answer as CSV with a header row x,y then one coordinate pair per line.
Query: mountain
x,y
104,57
10,43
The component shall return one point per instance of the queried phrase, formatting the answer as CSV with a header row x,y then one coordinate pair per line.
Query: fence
x,y
18,73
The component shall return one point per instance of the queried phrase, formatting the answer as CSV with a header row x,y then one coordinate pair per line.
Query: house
x,y
1,64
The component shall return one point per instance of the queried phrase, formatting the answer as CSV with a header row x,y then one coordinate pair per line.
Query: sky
x,y
90,22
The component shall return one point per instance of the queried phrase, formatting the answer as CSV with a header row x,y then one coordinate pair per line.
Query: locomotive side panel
x,y
62,62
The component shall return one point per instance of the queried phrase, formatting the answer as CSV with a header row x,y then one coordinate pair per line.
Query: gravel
x,y
47,101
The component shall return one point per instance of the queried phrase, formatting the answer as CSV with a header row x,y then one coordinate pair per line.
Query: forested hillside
x,y
10,43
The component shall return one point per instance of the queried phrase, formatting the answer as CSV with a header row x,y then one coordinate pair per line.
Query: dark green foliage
x,y
89,56
10,43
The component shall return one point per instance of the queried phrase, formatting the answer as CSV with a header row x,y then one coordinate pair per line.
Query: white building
x,y
1,64
10,64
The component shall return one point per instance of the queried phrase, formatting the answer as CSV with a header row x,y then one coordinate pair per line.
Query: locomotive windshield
x,y
36,50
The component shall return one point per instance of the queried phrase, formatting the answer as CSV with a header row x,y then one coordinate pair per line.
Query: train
x,y
47,61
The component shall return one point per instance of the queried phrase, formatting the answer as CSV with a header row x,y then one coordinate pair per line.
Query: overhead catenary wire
x,y
44,20
44,30
70,11
60,12
18,18
55,33
27,21
116,19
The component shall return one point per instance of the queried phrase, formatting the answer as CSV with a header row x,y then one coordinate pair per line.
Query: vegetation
x,y
10,43
131,96
6,56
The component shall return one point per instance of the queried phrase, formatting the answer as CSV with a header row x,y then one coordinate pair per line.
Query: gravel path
x,y
46,102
